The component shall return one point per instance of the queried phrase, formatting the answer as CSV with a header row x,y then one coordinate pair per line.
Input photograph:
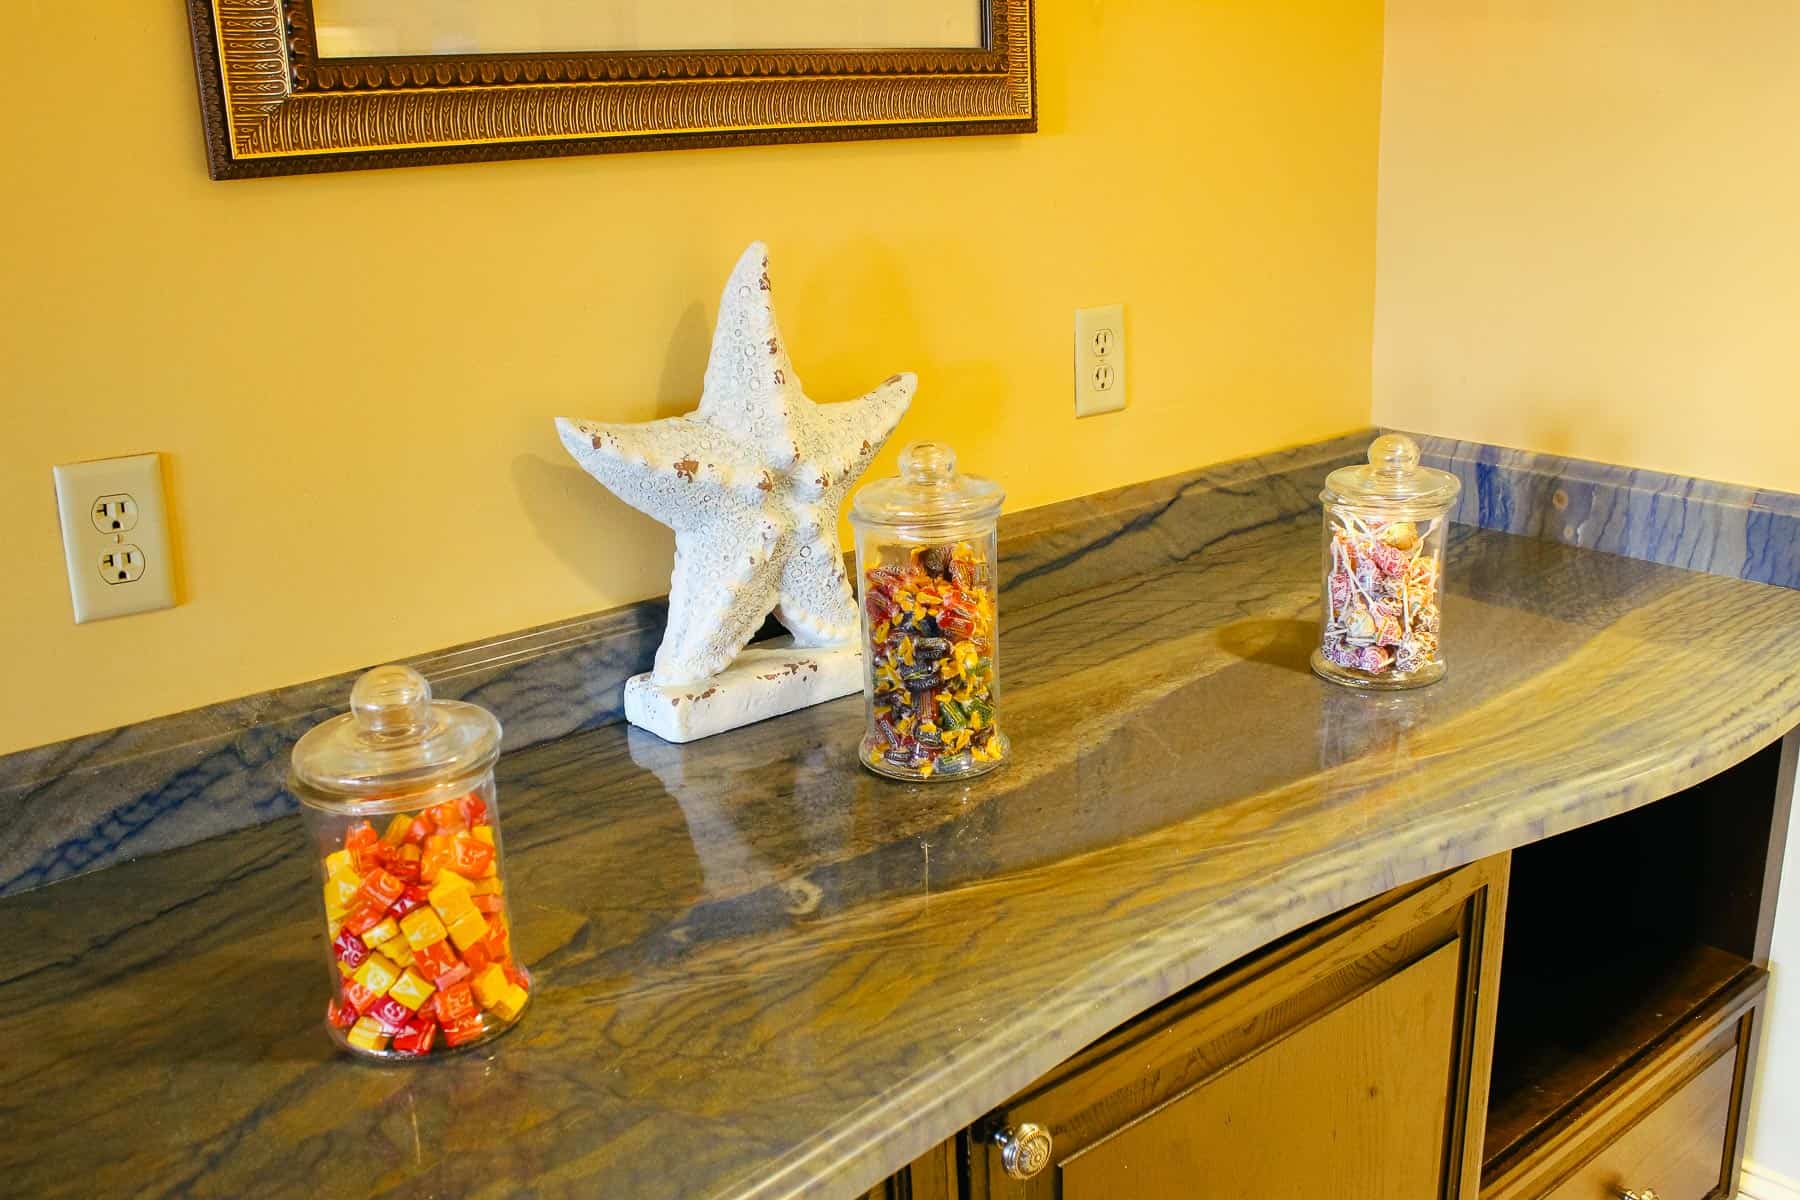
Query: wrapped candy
x,y
933,690
1384,562
925,551
399,797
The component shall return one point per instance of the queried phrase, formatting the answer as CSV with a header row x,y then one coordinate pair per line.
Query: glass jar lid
x,y
1392,480
395,743
928,494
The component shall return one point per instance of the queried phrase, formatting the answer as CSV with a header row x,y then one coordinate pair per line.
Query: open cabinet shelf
x,y
1617,934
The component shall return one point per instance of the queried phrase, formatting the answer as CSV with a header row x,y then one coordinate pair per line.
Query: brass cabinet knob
x,y
1638,1194
1025,1150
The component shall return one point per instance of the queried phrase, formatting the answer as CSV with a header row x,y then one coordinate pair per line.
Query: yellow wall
x,y
369,470
1588,236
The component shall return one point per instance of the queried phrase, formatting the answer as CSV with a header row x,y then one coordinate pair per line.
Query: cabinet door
x,y
1349,1061
1351,1106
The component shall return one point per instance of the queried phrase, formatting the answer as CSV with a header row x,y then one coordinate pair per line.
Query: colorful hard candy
x,y
931,629
418,932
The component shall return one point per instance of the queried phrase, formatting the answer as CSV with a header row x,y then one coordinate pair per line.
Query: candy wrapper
x,y
925,554
1381,596
425,967
1382,608
931,654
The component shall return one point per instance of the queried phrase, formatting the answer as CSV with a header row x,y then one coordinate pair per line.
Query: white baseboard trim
x,y
1760,1183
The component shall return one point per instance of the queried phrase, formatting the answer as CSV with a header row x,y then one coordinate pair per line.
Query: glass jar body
x,y
1381,608
417,932
931,650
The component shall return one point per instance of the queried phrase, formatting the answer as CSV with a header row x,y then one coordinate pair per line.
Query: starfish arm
x,y
680,471
725,583
815,602
840,440
751,483
750,385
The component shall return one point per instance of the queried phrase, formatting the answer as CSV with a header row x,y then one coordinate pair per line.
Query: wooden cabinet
x,y
1342,1062
1567,1022
1252,1130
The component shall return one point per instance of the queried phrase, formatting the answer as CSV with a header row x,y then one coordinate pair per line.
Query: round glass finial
x,y
1393,481
928,463
395,742
391,700
928,493
1394,454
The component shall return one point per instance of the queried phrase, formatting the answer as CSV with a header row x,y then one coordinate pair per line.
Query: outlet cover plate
x,y
1099,360
79,489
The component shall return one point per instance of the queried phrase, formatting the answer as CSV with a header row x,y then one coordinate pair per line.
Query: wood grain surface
x,y
1267,1056
763,972
1351,1106
1677,1147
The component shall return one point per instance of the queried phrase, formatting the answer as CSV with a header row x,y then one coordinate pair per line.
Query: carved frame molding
x,y
273,107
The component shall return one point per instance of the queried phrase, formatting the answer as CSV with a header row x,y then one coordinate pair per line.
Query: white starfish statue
x,y
750,482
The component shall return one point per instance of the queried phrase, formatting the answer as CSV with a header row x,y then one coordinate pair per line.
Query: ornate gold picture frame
x,y
273,107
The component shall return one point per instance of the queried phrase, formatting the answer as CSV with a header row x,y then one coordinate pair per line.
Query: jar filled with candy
x,y
399,800
925,560
1384,569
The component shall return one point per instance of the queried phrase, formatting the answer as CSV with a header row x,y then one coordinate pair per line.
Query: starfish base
x,y
766,680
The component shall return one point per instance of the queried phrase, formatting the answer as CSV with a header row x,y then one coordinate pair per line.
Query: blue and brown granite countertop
x,y
764,972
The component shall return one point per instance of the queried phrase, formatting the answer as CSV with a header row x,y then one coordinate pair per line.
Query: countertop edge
x,y
991,1066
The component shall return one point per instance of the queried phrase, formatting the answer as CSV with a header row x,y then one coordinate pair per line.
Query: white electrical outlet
x,y
115,531
1099,360
124,565
115,514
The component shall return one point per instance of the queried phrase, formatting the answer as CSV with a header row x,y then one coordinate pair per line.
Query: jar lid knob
x,y
391,701
930,464
1394,454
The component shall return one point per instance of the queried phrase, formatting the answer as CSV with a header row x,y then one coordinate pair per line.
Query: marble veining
x,y
1720,528
766,973
91,802
94,801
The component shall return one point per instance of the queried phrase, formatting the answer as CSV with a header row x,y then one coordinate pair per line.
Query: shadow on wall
x,y
684,367
585,524
575,516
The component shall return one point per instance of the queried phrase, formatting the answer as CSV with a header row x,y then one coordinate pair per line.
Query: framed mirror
x,y
291,86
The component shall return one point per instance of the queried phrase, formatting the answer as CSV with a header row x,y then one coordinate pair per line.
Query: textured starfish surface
x,y
750,482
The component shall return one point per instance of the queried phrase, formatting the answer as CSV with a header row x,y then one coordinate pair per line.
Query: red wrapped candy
x,y
392,1014
416,1036
473,809
349,949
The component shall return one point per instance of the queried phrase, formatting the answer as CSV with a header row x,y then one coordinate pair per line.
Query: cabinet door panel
x,y
1348,1060
1350,1106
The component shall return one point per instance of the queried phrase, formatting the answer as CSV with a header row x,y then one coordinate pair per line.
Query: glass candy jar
x,y
399,801
1384,569
927,577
